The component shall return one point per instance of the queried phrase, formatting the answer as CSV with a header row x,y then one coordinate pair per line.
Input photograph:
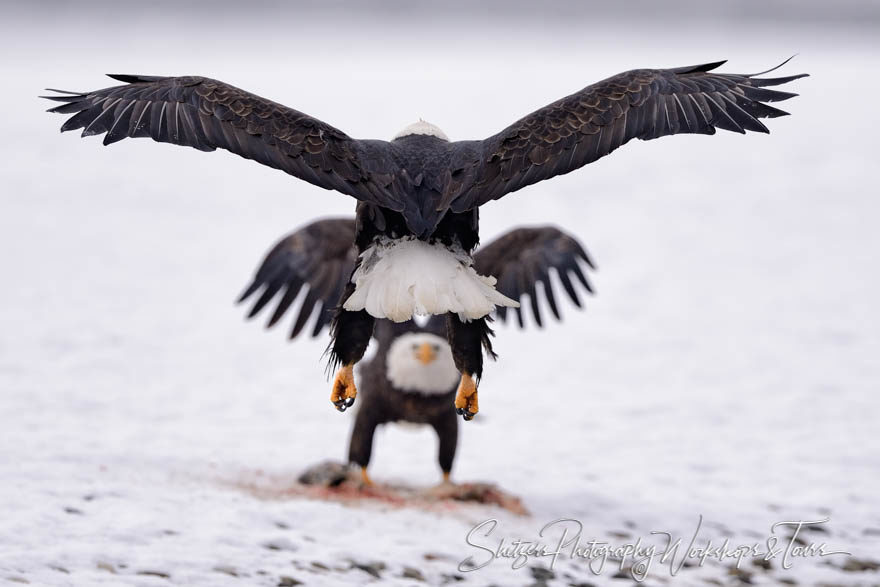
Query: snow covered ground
x,y
727,368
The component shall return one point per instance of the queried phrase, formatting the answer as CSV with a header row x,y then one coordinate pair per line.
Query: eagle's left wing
x,y
319,257
207,114
579,129
523,257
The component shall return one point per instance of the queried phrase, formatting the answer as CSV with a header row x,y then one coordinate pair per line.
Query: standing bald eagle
x,y
412,377
419,194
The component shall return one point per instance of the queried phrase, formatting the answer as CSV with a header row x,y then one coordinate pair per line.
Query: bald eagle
x,y
419,194
412,377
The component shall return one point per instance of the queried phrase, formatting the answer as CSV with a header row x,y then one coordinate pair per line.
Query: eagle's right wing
x,y
320,257
587,125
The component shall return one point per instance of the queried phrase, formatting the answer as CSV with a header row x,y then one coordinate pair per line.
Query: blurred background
x,y
727,366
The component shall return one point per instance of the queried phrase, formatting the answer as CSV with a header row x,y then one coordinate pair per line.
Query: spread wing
x,y
208,114
319,257
522,258
579,129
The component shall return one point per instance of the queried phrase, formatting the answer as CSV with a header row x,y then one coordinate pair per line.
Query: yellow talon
x,y
466,404
365,479
446,476
344,391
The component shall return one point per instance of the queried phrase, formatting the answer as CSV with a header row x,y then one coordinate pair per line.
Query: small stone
x,y
280,544
320,566
285,581
17,580
787,581
743,575
763,563
60,569
452,578
857,565
105,566
412,573
435,556
73,511
152,573
542,574
375,568
282,525
226,570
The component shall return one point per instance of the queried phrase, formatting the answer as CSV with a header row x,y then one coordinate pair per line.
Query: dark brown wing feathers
x,y
318,257
522,258
643,104
640,104
207,114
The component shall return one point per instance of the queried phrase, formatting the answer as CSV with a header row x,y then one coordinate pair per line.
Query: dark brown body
x,y
380,402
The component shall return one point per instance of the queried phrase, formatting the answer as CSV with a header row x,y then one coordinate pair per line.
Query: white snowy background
x,y
727,367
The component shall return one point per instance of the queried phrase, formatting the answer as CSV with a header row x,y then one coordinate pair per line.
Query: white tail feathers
x,y
399,278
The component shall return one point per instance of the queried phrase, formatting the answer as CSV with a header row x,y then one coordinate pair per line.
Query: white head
x,y
422,128
422,362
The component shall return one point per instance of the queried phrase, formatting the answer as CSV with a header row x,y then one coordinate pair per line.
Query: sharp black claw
x,y
343,404
459,411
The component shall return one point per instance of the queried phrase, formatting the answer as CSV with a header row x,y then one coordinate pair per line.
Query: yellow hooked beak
x,y
426,353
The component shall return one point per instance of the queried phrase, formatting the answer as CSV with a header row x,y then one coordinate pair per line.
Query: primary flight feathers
x,y
644,103
321,256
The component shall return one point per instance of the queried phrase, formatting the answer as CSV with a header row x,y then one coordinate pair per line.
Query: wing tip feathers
x,y
132,78
701,68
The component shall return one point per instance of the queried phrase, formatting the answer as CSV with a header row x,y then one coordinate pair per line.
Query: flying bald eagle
x,y
412,377
419,194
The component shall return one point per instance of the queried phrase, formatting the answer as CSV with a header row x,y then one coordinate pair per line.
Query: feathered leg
x,y
468,339
360,447
446,427
351,333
